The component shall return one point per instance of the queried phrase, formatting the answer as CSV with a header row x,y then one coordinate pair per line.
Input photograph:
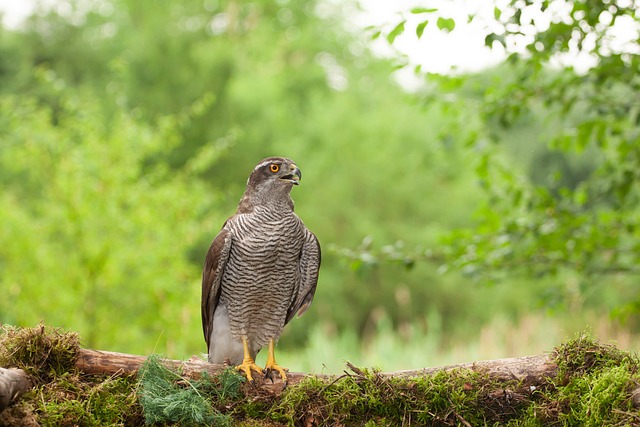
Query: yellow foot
x,y
247,366
268,370
273,366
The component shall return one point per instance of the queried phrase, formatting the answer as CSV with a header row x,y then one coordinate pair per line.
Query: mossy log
x,y
580,382
531,369
13,383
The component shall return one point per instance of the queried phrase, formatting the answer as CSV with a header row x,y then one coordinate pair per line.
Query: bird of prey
x,y
261,270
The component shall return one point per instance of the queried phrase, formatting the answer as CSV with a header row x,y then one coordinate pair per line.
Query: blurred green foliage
x,y
127,133
89,230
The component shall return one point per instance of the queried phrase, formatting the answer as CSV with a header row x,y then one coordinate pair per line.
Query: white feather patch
x,y
223,346
263,164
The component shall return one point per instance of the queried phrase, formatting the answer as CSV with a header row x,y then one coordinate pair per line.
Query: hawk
x,y
260,271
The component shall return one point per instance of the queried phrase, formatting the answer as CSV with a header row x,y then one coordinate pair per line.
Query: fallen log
x,y
533,369
13,383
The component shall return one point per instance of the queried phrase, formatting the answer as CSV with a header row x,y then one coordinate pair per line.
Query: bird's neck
x,y
275,201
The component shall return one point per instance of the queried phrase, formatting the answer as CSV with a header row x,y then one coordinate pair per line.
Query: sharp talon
x,y
273,366
281,372
268,373
247,366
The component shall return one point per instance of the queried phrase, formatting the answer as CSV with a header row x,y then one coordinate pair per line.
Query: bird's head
x,y
271,182
275,171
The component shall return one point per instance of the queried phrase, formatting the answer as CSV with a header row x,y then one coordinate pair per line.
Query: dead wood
x,y
531,369
13,383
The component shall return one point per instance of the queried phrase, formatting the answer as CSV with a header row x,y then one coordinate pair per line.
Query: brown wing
x,y
214,265
309,266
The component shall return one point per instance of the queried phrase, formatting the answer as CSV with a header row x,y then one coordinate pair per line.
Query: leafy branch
x,y
546,220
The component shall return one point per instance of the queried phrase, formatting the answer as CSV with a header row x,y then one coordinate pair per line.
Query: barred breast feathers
x,y
263,267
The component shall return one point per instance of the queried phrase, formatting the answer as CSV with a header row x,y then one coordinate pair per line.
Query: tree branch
x,y
13,383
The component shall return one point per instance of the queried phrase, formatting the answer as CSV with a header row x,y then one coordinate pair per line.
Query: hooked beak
x,y
294,176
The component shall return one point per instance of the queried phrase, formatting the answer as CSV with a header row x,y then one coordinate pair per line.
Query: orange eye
x,y
274,168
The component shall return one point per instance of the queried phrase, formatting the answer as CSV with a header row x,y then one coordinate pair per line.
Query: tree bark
x,y
525,368
96,362
13,383
110,363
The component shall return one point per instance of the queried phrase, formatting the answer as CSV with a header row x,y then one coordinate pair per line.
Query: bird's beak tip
x,y
295,176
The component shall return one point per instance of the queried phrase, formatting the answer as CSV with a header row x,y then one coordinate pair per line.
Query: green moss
x,y
43,352
62,396
257,423
593,387
584,354
72,400
451,397
596,383
600,397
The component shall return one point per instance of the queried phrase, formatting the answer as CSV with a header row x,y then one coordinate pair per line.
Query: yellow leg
x,y
272,365
248,364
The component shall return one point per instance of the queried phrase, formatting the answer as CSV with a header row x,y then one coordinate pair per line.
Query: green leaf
x,y
420,28
399,29
417,10
446,24
497,13
490,38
